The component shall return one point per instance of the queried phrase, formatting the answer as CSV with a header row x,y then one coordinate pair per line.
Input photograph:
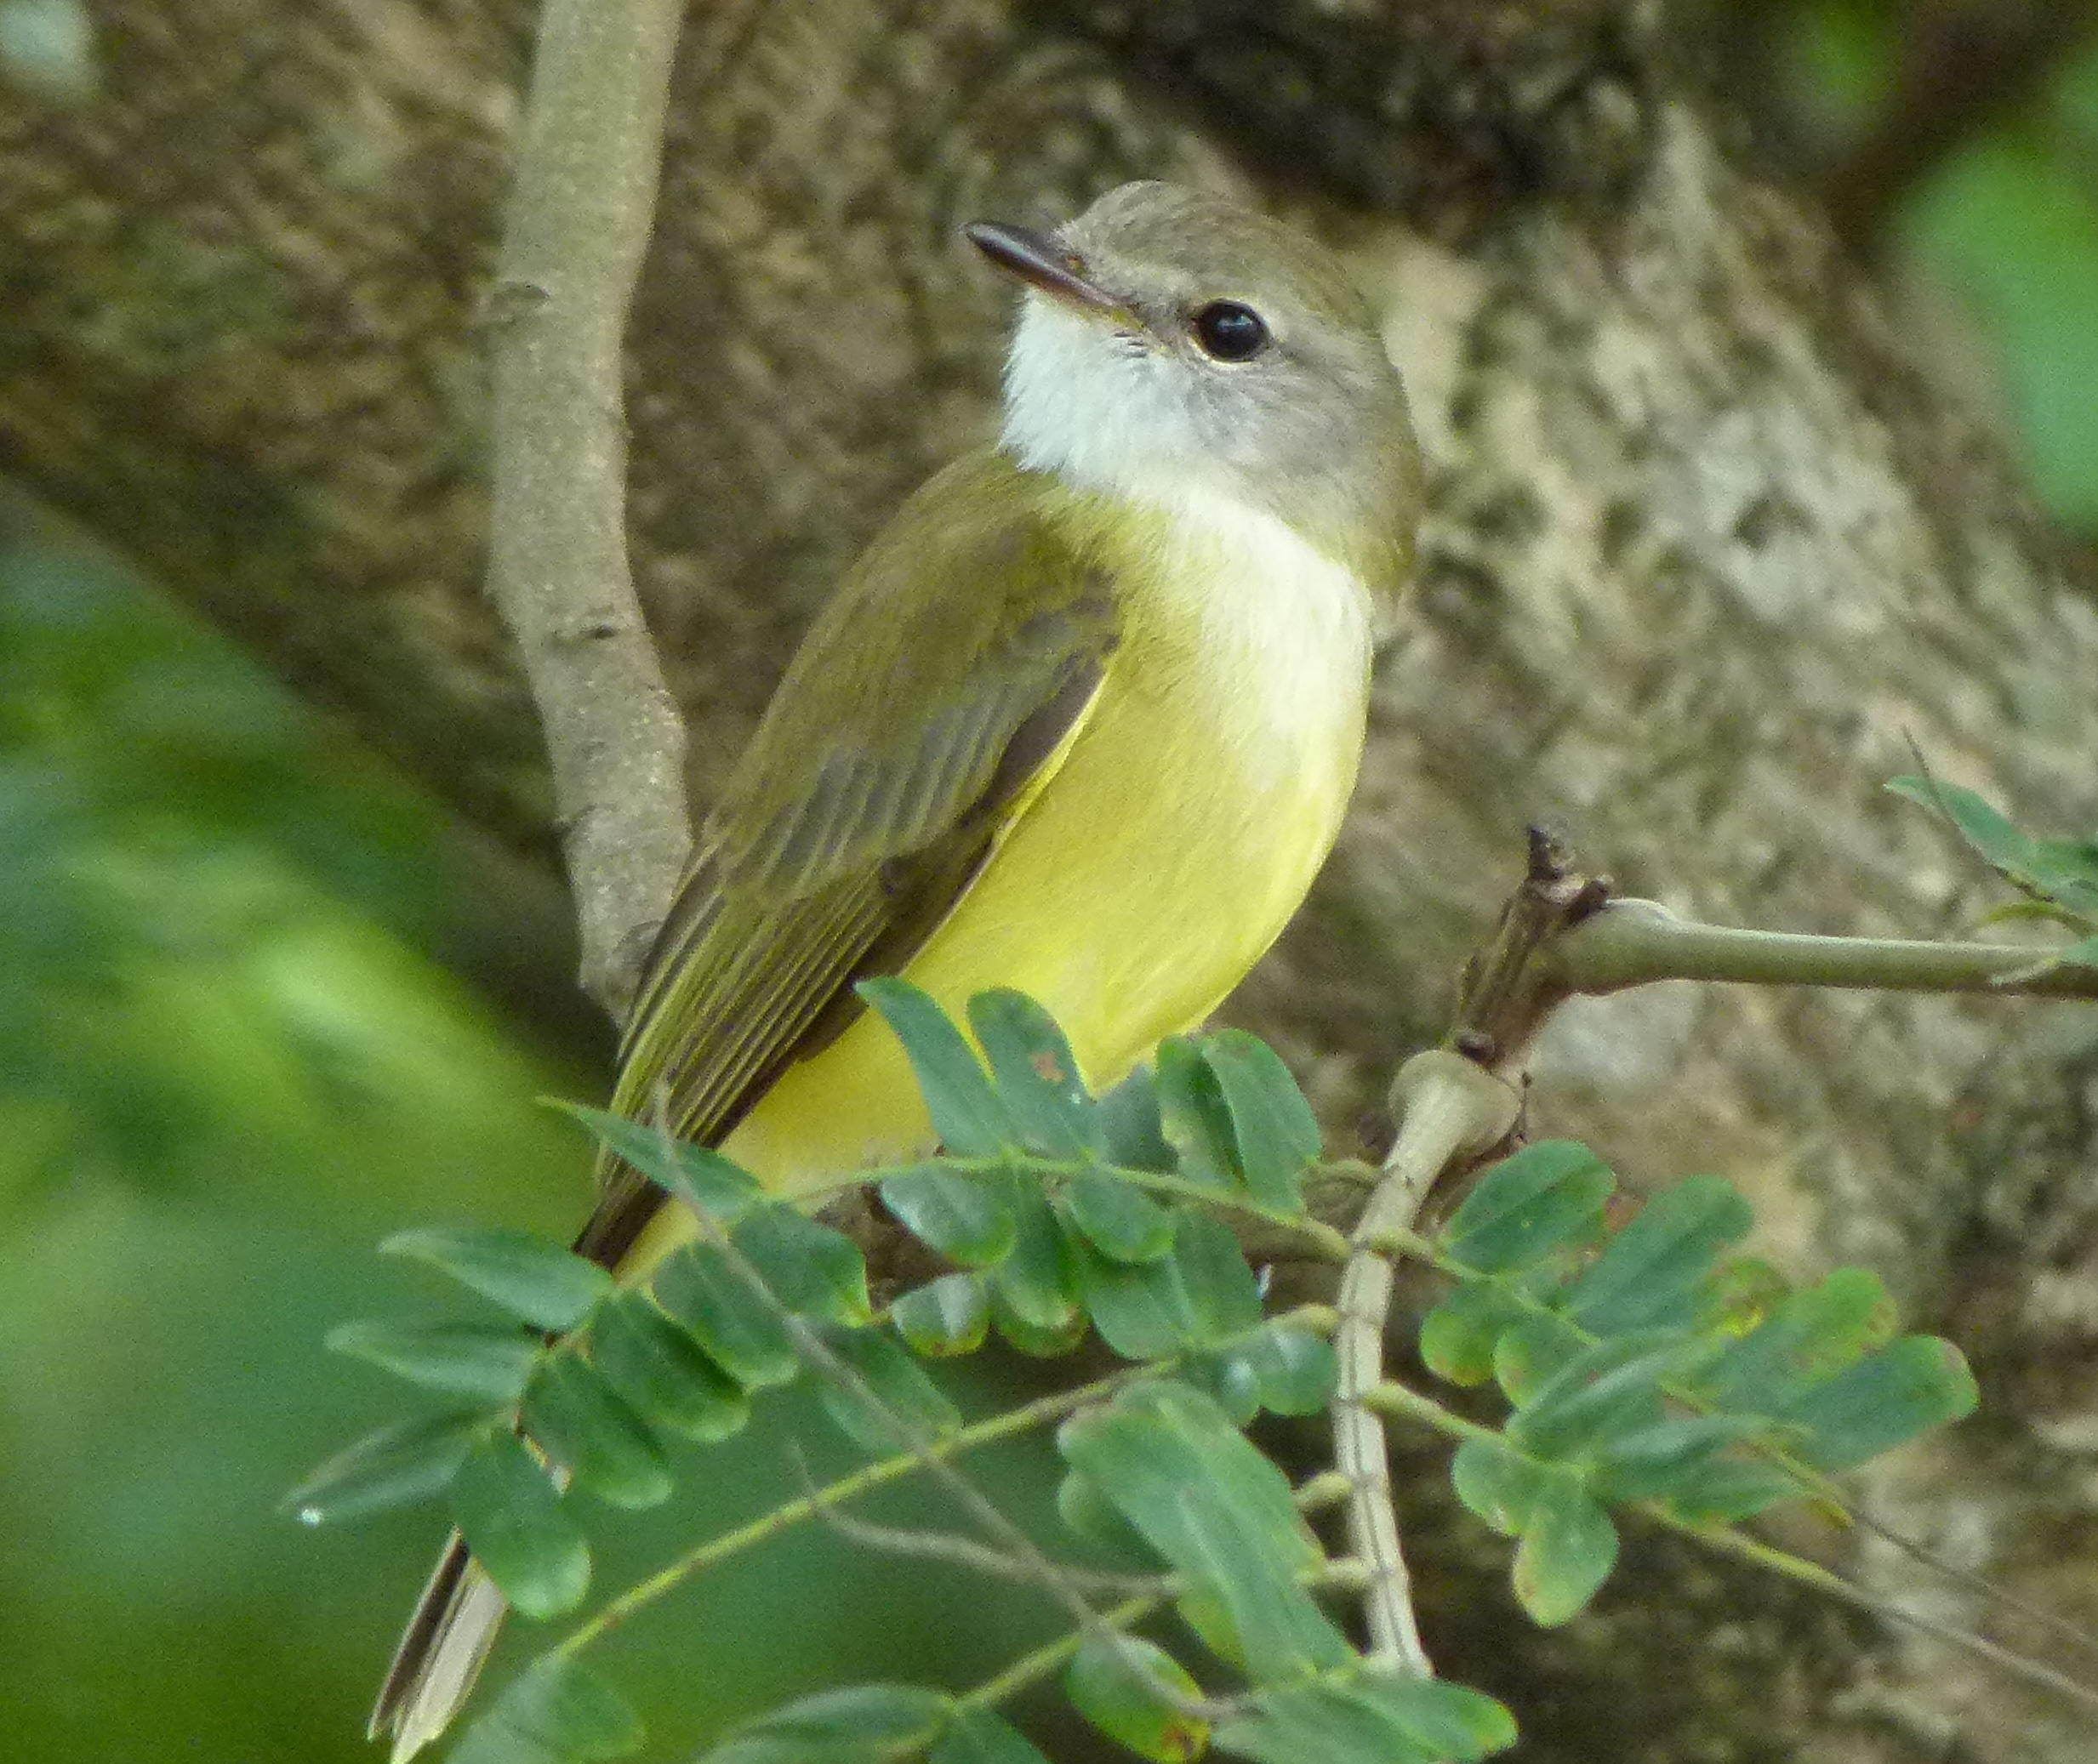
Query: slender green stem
x,y
1330,1244
1051,1657
1632,942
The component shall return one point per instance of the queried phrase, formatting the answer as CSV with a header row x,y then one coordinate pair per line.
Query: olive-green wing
x,y
946,673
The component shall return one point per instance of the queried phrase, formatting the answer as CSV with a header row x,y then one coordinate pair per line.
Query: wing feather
x,y
852,826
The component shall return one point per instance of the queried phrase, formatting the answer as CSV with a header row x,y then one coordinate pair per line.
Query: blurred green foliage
x,y
2006,223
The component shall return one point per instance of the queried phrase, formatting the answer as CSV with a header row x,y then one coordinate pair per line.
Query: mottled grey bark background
x,y
1714,536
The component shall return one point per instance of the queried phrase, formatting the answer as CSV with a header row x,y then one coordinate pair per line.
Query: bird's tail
x,y
441,1653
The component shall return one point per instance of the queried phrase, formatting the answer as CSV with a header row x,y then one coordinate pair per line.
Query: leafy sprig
x,y
1643,1364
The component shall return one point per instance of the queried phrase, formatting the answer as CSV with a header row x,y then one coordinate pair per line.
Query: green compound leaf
x,y
1370,1719
945,1318
969,1220
1135,1692
398,1466
1810,1336
1611,1388
1141,1309
1533,1352
1887,1398
1171,1461
1037,1282
507,1506
1497,1482
976,1736
558,1708
811,1269
487,1362
1653,1272
870,1724
1037,1075
2066,871
1118,1219
968,1113
1567,1550
660,1369
1547,1196
534,1281
1459,1335
709,1184
897,1391
1194,1117
1089,1514
1723,1490
1288,1371
576,1417
1672,1457
1224,1294
1132,1132
1273,1132
1030,1339
711,1298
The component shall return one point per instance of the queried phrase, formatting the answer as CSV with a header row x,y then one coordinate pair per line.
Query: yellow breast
x,y
1190,811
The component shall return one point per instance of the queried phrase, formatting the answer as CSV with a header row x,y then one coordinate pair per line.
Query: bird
x,y
1083,721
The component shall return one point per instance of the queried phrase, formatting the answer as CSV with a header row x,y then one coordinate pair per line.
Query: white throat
x,y
1102,414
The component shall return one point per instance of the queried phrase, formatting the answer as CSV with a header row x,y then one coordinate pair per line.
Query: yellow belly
x,y
1158,861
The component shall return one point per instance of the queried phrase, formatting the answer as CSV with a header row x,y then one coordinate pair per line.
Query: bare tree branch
x,y
558,568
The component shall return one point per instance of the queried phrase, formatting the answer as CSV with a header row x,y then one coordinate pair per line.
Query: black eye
x,y
1228,332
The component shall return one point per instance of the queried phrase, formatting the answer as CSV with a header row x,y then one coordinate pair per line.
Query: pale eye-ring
x,y
1229,331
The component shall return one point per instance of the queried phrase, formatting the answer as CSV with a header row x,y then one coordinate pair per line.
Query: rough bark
x,y
1712,541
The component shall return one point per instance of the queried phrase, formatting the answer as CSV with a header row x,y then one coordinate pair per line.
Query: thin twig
x,y
963,1553
578,226
1448,1109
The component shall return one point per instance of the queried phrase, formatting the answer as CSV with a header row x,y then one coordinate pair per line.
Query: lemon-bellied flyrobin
x,y
1082,720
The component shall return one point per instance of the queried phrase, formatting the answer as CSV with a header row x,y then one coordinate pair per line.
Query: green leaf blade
x,y
867,1724
1568,1548
1118,1219
398,1466
1652,1273
1035,1073
1274,1133
813,1270
558,1709
1885,1400
1546,1196
507,1506
711,1298
707,1184
968,1113
898,1406
573,1415
945,1318
976,1736
660,1370
536,1281
1135,1692
967,1218
1170,1459
484,1362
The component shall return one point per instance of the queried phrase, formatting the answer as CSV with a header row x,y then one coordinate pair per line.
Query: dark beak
x,y
1038,261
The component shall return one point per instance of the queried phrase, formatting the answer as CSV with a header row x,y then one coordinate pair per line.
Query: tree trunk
x,y
1713,542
